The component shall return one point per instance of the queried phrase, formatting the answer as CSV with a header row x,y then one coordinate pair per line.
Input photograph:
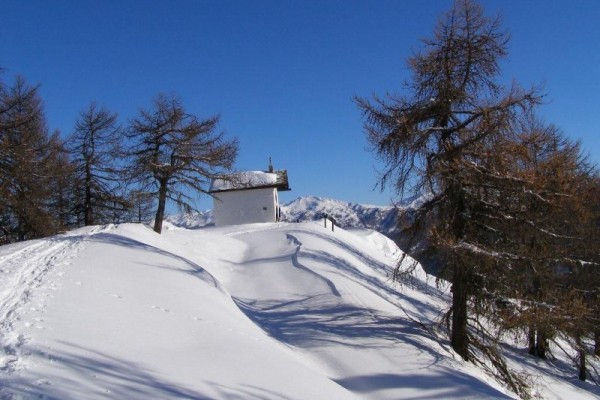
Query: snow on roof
x,y
250,180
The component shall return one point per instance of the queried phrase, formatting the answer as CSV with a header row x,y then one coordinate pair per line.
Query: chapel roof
x,y
247,180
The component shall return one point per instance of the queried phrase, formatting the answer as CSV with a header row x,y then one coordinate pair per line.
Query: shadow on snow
x,y
195,269
106,376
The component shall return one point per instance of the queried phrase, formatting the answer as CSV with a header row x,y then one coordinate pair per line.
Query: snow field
x,y
262,311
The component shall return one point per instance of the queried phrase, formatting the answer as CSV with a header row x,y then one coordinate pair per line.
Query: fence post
x,y
327,217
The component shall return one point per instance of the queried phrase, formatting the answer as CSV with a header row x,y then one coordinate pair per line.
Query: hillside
x,y
264,311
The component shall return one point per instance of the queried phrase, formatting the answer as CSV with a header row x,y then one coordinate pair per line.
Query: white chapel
x,y
248,197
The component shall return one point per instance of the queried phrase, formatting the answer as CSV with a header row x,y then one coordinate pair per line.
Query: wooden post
x,y
327,217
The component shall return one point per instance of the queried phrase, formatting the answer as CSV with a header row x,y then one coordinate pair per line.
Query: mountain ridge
x,y
348,215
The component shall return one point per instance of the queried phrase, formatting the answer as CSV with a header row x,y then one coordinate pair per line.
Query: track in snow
x,y
21,272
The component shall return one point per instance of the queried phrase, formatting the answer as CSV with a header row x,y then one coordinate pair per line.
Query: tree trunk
x,y
597,342
582,367
21,231
459,337
582,361
542,343
538,342
460,279
531,340
160,211
88,215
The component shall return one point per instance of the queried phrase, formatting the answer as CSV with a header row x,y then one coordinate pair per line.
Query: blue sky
x,y
282,73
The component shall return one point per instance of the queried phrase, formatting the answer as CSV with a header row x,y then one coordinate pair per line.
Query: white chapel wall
x,y
245,206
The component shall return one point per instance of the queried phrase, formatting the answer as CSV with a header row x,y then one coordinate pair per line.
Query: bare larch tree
x,y
28,165
175,154
94,147
431,139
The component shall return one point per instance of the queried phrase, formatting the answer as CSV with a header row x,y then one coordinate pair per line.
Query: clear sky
x,y
282,73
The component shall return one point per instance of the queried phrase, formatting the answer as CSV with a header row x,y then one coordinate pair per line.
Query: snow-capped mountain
x,y
312,208
347,215
194,220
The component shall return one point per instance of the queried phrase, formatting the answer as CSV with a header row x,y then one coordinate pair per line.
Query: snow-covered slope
x,y
264,311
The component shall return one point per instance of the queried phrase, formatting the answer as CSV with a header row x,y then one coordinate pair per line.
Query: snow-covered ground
x,y
263,311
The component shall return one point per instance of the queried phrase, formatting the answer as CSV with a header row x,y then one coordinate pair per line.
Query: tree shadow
x,y
441,383
328,319
378,286
347,248
553,367
314,321
383,269
195,269
86,373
